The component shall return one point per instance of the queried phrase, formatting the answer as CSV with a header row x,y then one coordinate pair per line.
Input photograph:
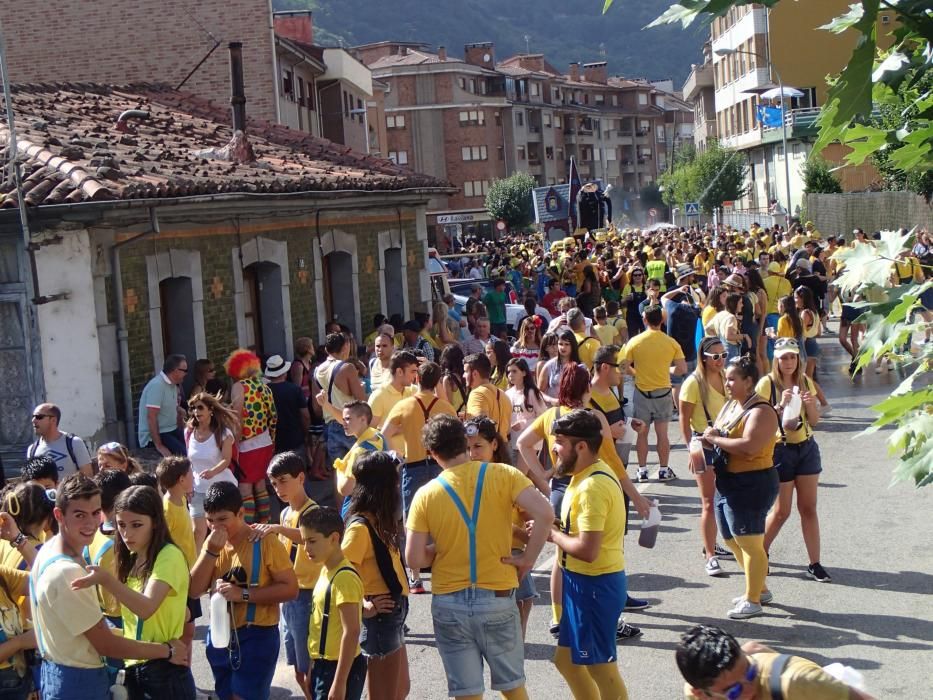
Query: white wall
x,y
68,332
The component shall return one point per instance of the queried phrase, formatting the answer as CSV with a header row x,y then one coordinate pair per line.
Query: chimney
x,y
575,71
237,91
481,54
596,72
532,61
294,25
442,53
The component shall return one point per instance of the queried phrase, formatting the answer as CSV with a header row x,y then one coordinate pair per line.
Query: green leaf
x,y
684,13
845,21
607,6
864,142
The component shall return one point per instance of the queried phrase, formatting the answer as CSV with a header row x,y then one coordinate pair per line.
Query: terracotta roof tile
x,y
71,150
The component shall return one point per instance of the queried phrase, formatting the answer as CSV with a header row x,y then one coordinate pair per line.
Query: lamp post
x,y
730,52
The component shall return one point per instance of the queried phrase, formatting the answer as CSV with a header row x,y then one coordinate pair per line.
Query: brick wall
x,y
122,41
838,214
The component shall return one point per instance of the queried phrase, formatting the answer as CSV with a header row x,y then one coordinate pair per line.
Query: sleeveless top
x,y
258,407
323,375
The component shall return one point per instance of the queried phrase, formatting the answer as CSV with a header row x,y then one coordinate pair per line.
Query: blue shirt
x,y
162,394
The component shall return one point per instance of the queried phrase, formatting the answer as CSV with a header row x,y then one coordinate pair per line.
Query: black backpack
x,y
681,326
69,445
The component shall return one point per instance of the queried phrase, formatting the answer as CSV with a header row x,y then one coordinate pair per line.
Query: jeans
x,y
337,441
70,683
322,678
247,668
414,476
13,686
159,679
296,616
742,501
771,321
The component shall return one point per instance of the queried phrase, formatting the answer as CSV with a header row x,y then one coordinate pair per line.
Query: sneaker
x,y
818,573
666,474
766,598
642,474
626,632
635,603
720,551
713,568
826,410
555,630
744,610
416,586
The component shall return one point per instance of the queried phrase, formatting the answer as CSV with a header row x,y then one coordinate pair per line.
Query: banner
x,y
770,116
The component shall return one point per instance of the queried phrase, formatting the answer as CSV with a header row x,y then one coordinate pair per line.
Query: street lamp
x,y
730,52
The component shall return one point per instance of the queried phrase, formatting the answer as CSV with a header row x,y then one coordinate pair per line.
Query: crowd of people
x,y
457,442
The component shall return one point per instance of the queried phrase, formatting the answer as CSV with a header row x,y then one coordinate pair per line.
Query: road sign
x,y
652,212
500,225
692,208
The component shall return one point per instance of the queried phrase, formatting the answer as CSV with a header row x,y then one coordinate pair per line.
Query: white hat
x,y
276,366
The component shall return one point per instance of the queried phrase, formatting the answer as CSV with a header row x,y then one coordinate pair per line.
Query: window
x,y
473,153
521,153
519,118
483,86
549,152
546,118
346,104
301,91
642,98
472,86
399,157
501,151
359,110
462,83
468,188
475,188
610,154
395,121
560,154
600,99
615,100
472,118
535,89
288,85
558,123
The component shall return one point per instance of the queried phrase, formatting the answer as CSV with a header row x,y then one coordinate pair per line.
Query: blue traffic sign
x,y
692,208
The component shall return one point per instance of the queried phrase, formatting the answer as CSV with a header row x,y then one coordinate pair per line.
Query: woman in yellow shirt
x,y
370,543
499,354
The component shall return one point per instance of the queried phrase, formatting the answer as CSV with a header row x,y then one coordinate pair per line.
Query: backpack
x,y
383,558
681,326
69,445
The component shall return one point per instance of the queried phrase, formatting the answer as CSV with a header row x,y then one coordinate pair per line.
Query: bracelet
x,y
210,553
171,651
18,541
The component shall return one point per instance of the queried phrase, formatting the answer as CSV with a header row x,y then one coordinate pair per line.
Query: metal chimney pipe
x,y
238,92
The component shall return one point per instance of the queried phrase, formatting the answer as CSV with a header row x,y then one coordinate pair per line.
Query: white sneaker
x,y
666,474
642,474
766,598
713,568
745,610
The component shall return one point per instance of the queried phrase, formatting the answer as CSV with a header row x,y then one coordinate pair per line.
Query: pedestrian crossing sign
x,y
692,208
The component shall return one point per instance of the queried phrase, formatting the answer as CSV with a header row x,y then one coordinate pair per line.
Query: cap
x,y
786,346
412,326
276,366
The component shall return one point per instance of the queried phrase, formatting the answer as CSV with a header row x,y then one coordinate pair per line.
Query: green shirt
x,y
495,306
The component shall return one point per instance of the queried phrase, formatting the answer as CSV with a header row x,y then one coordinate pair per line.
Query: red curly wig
x,y
241,364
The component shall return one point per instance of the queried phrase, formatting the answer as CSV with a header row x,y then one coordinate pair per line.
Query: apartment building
x,y
749,47
474,119
699,92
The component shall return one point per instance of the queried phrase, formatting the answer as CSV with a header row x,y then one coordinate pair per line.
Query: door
x,y
338,271
263,309
395,292
177,311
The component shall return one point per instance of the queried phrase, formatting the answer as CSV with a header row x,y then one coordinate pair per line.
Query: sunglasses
x,y
734,691
40,416
716,355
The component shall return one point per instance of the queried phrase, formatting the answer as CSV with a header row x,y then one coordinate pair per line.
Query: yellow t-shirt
x,y
382,400
11,584
690,393
794,437
607,450
100,553
594,503
652,354
587,346
776,287
408,415
346,588
763,459
492,402
801,680
606,334
358,549
785,329
706,316
370,441
168,621
179,527
235,565
12,558
433,511
306,571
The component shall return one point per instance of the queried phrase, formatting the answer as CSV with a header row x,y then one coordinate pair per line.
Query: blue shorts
x,y
414,476
245,670
691,365
526,587
70,683
296,616
800,459
742,501
196,505
811,347
472,626
160,678
322,678
337,441
591,609
13,686
385,634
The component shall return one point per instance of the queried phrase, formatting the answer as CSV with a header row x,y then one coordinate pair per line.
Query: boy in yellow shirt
x,y
357,417
337,612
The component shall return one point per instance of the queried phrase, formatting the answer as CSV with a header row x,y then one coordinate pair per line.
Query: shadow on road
x,y
881,581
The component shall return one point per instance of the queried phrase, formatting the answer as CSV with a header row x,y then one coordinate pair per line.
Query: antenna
x,y
527,44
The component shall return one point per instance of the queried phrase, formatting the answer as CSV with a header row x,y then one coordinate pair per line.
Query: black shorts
x,y
849,314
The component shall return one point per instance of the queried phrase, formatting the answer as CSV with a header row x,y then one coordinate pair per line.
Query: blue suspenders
x,y
34,576
470,521
565,526
255,566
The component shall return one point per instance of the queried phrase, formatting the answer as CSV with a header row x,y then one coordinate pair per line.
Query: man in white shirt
x,y
69,451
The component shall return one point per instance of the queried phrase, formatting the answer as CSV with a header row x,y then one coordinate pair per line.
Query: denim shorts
x,y
742,501
526,587
159,679
800,459
473,625
247,668
811,347
678,380
385,634
322,678
591,609
13,686
337,441
70,683
296,617
414,476
196,505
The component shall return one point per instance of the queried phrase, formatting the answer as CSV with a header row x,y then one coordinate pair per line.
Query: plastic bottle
x,y
697,458
792,410
118,690
649,529
847,675
220,622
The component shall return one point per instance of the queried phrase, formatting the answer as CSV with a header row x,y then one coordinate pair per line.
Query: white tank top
x,y
323,376
203,456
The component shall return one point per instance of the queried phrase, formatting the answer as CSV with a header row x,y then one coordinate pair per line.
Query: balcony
x,y
700,77
800,124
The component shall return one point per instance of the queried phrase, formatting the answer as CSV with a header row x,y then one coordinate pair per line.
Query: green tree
x,y
818,178
719,176
891,116
510,199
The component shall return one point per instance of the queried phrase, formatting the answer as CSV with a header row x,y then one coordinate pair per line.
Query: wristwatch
x,y
245,595
18,541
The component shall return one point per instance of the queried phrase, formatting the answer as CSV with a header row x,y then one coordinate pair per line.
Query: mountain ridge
x,y
563,30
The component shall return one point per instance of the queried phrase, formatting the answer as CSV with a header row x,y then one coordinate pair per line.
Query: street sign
x,y
652,212
500,225
692,208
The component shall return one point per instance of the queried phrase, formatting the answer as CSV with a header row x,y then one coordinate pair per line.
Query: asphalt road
x,y
876,615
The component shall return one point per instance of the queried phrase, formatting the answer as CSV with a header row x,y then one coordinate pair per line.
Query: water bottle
x,y
649,529
792,410
847,675
697,458
118,689
220,622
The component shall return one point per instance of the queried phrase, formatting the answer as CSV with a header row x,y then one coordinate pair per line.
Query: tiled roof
x,y
412,58
71,151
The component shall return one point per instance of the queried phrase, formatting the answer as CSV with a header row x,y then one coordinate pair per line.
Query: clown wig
x,y
242,364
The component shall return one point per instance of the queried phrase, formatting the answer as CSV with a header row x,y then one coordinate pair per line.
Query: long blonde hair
x,y
706,345
799,379
222,417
